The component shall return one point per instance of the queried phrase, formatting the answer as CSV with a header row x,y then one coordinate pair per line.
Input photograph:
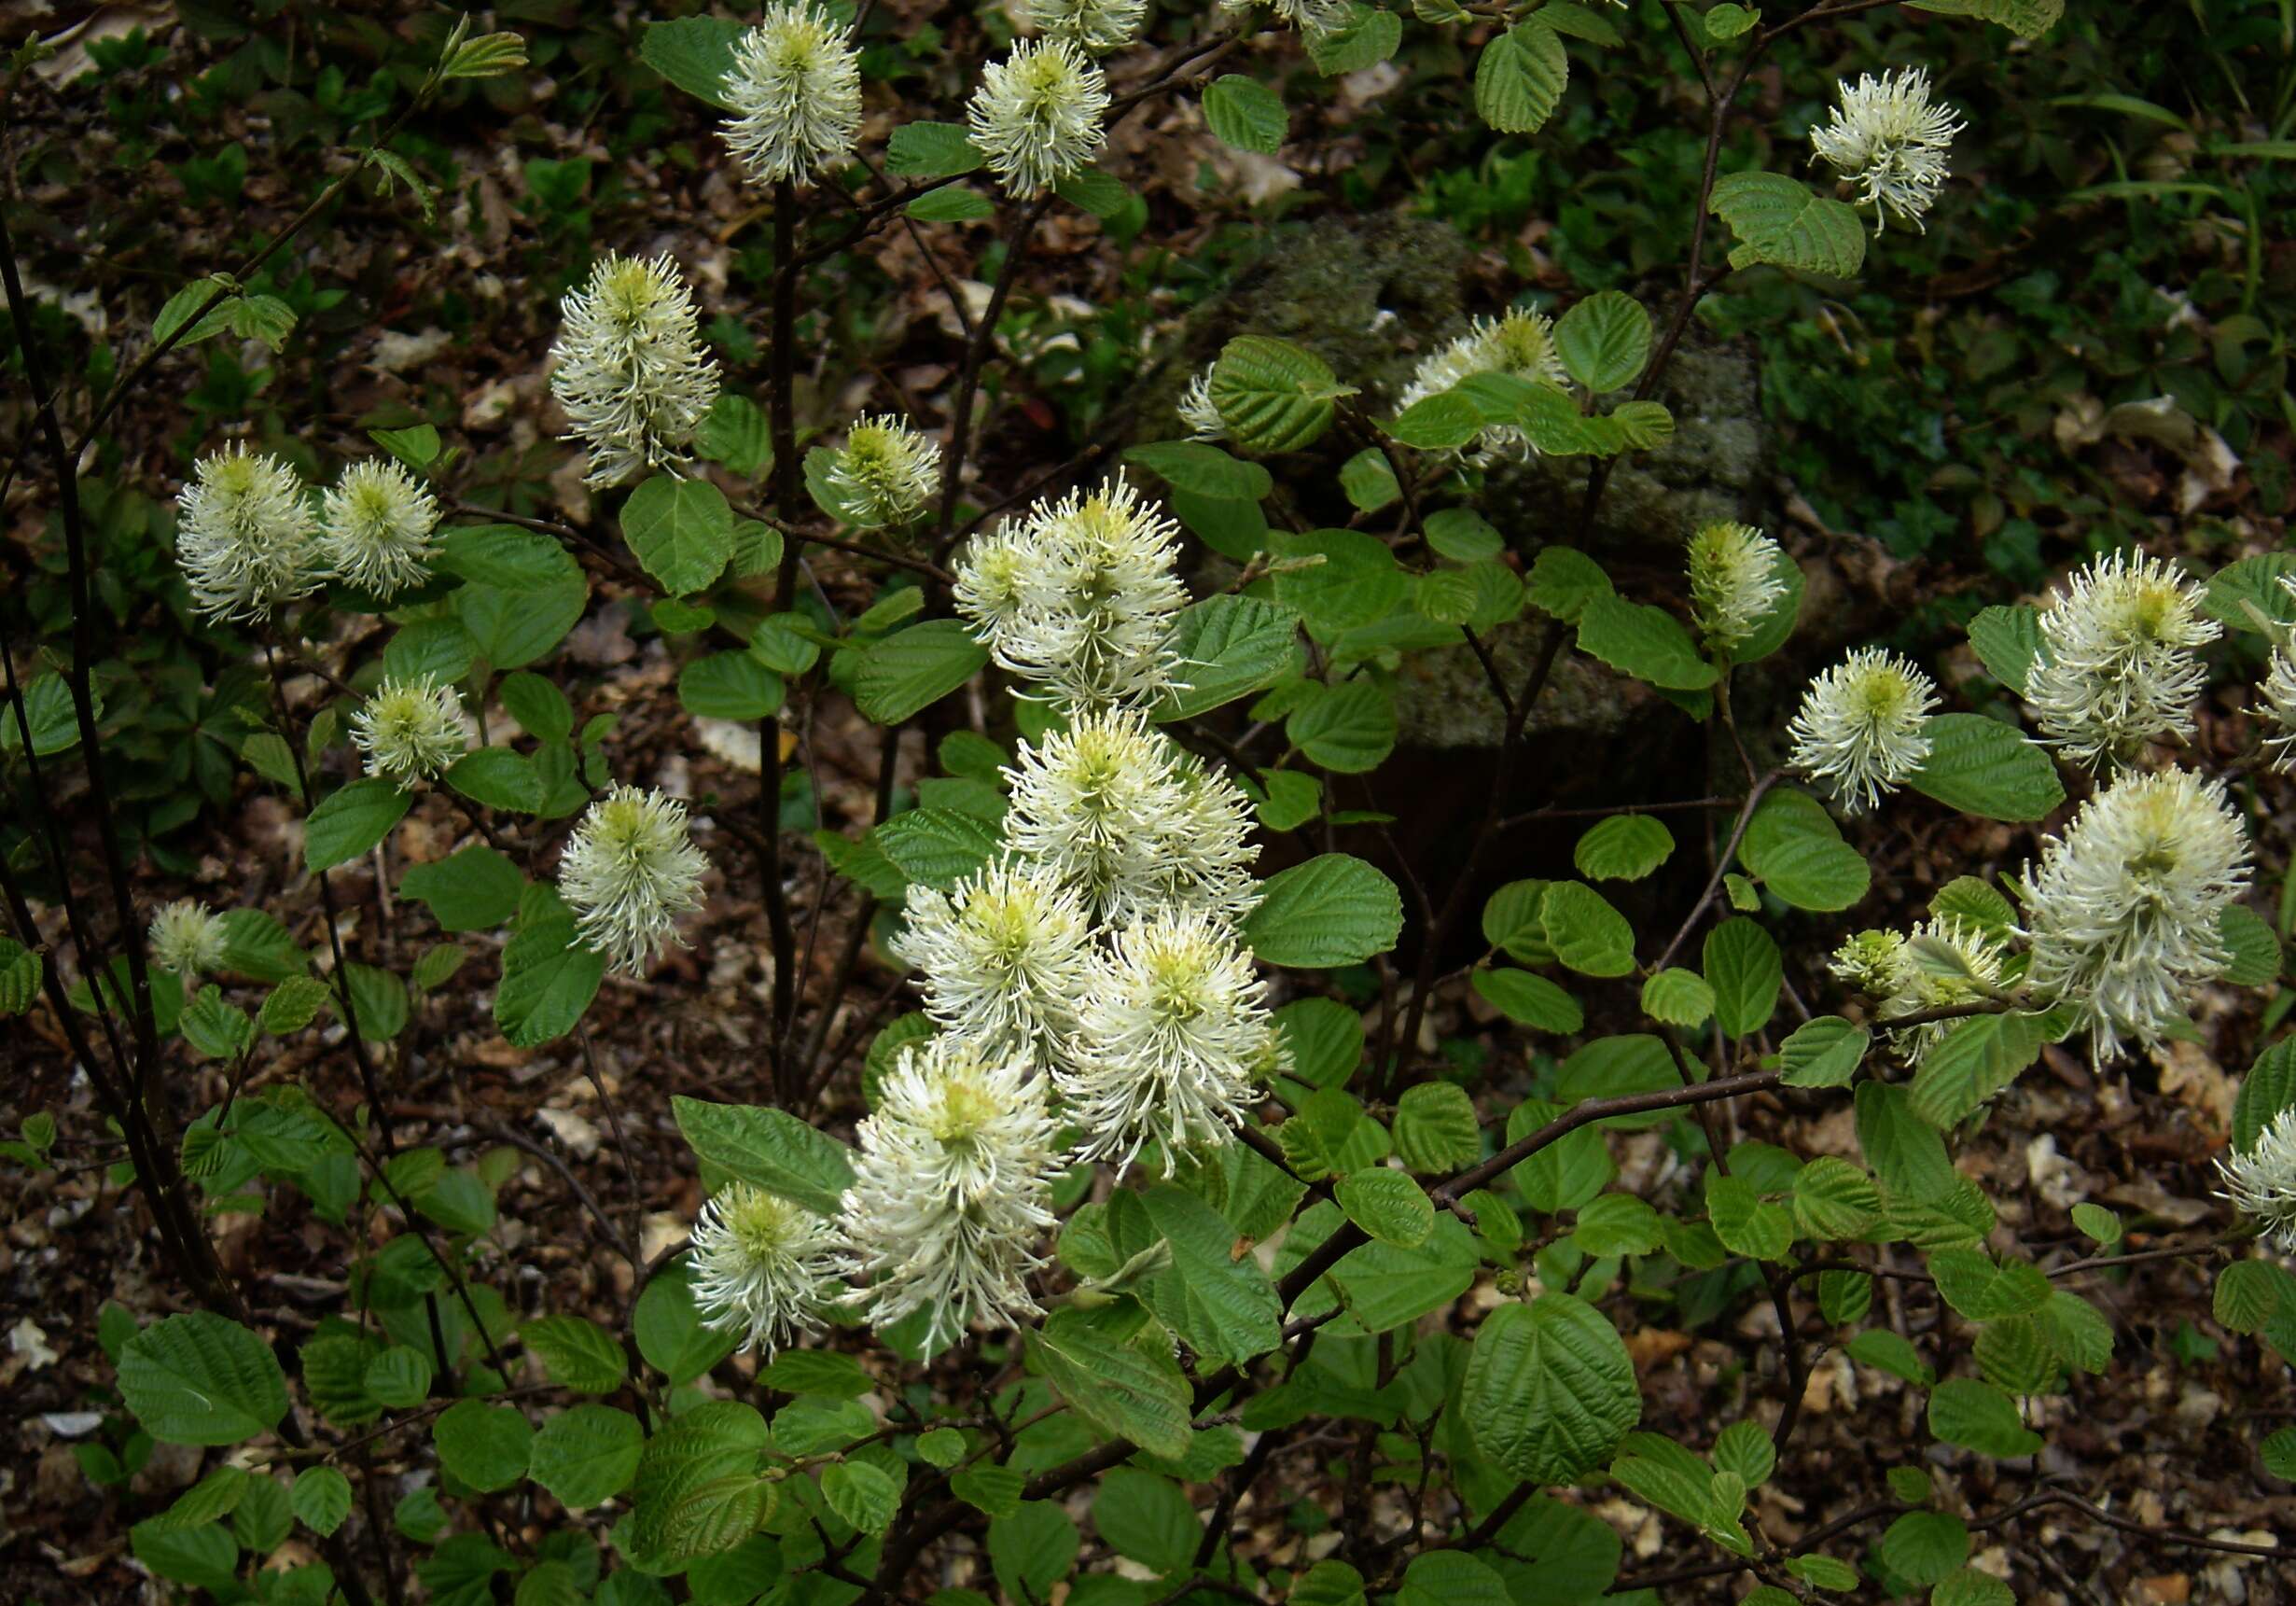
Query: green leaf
x,y
2026,19
993,1490
1438,423
320,1500
1530,1001
1745,970
1348,729
1333,910
1985,1290
1983,767
668,1327
1793,844
349,821
579,1355
770,1149
736,433
1678,996
1118,1388
586,1454
1435,1128
1228,646
54,722
1922,1547
730,686
1973,1061
2253,944
1904,1151
1746,1449
1825,1052
197,1378
474,890
1625,847
547,976
1387,1205
2279,1454
1971,1587
1520,78
515,627
1147,1518
486,1446
1549,1390
681,531
498,778
1604,341
2248,1295
1244,113
1585,931
1367,481
1224,1308
2009,642
2269,1088
1204,469
1979,1417
937,846
1645,642
1782,223
214,1496
1833,1199
1364,38
860,1493
907,672
957,203
697,1489
694,53
1272,395
930,150
1885,1351
1101,194
399,1377
1745,1225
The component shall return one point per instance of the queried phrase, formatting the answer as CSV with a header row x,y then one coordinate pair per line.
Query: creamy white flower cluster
x,y
1885,137
629,369
1090,979
1862,730
628,871
1943,962
1519,344
2120,663
1736,581
248,538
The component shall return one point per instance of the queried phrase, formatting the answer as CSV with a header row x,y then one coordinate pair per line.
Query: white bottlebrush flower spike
x,y
2260,1180
1310,17
376,529
629,870
886,473
1887,139
2123,913
410,730
1520,345
1081,596
1097,25
1196,409
1174,1038
1111,808
1861,730
1036,117
795,88
2279,705
187,938
1735,582
951,1188
245,537
1003,958
1943,962
2120,664
763,1267
629,369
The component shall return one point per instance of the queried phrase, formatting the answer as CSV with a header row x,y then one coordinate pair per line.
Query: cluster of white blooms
x,y
1005,958
1735,582
951,1187
2260,1180
1096,25
410,730
764,1266
1887,139
1037,116
795,88
1196,409
1113,809
2122,914
629,869
629,369
1079,596
1521,344
885,472
245,537
2120,663
377,527
1862,726
2279,705
1945,962
1311,17
186,938
1175,1037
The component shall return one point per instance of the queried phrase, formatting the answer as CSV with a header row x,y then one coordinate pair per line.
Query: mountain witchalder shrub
x,y
1110,1082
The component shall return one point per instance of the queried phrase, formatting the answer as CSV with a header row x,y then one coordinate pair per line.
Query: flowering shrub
x,y
1162,1173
